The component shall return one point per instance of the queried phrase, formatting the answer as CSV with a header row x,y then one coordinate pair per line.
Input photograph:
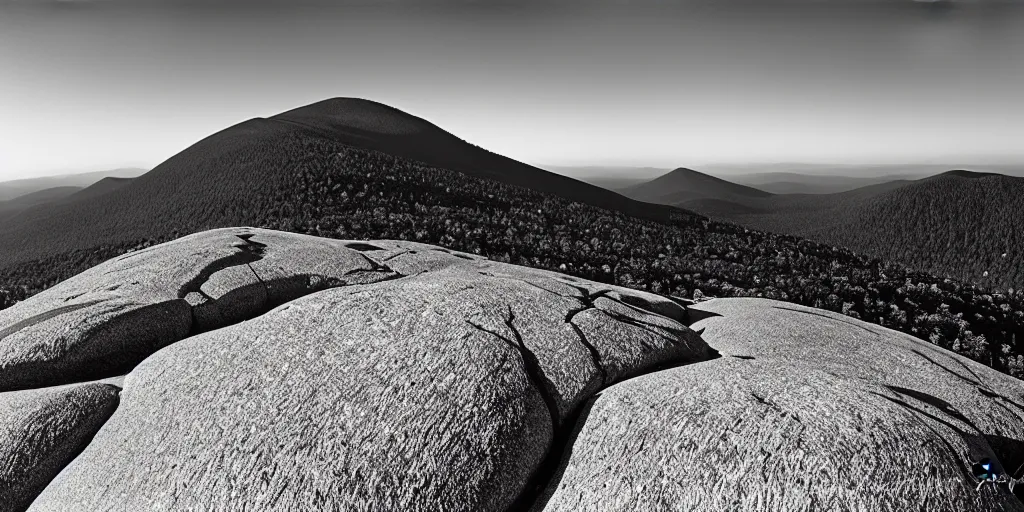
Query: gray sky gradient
x,y
99,84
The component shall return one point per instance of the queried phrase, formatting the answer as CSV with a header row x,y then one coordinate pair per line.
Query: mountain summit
x,y
683,185
277,167
371,125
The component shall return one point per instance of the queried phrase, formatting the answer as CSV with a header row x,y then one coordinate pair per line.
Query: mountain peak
x,y
359,114
961,173
682,185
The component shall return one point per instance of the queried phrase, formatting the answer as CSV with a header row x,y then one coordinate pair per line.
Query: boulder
x,y
440,390
806,410
41,430
108,318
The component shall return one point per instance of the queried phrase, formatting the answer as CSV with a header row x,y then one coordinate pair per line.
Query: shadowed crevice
x,y
363,247
531,364
544,481
249,251
595,355
694,315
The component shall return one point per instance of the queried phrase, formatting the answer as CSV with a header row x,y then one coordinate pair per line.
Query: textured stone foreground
x,y
274,371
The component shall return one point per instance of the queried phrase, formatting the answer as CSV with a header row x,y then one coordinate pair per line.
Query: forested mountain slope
x,y
270,174
960,224
969,226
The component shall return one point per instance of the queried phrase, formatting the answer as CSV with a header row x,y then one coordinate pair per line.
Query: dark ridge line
x,y
964,365
668,328
644,312
685,303
586,301
998,399
247,238
947,369
742,357
638,324
770,404
376,265
44,316
911,407
830,318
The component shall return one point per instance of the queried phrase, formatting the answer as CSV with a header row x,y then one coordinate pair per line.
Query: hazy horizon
x,y
118,84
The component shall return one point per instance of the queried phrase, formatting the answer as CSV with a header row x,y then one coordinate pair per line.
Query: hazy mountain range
x,y
16,188
958,223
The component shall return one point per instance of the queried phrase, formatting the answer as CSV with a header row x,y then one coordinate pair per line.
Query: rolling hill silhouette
x,y
101,187
15,188
683,185
237,175
959,223
371,125
20,203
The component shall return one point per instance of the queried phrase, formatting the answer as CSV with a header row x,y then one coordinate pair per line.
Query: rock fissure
x,y
530,364
249,251
595,355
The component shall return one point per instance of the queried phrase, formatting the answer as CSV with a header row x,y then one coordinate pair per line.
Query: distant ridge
x,y
20,203
682,185
960,173
15,188
960,223
101,187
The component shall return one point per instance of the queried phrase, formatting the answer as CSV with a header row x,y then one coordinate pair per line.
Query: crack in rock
x,y
530,363
249,251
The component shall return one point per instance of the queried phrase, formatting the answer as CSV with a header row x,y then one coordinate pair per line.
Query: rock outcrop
x,y
108,318
806,410
43,430
272,371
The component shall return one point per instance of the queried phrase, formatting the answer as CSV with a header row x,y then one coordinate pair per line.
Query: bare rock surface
x,y
441,390
271,371
806,410
41,431
108,318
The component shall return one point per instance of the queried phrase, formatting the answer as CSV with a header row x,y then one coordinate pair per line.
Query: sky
x,y
92,85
